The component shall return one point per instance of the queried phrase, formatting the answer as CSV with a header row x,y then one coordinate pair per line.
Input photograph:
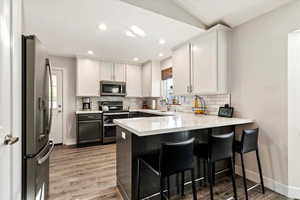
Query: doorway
x,y
56,133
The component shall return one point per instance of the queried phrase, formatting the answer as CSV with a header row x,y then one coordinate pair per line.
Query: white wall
x,y
294,110
259,88
69,96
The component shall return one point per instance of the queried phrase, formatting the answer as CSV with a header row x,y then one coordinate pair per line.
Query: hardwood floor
x,y
89,174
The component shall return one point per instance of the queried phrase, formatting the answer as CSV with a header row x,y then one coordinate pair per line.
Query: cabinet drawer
x,y
89,116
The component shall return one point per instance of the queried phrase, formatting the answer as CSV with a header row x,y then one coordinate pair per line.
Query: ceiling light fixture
x,y
162,41
102,27
161,55
135,59
129,34
90,52
138,31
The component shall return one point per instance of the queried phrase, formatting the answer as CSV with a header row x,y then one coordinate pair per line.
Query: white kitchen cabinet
x,y
200,67
181,70
204,74
87,77
119,72
112,72
106,71
151,79
134,81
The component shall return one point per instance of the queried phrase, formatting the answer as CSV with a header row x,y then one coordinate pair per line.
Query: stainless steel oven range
x,y
111,110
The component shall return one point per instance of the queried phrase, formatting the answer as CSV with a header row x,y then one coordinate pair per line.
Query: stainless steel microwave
x,y
112,88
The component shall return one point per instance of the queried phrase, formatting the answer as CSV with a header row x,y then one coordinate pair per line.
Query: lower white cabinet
x,y
87,77
151,79
134,81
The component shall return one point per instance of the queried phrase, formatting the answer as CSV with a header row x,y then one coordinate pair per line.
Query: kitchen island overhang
x,y
141,136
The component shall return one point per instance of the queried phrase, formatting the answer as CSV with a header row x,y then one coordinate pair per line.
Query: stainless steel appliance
x,y
111,110
112,88
89,128
36,119
86,103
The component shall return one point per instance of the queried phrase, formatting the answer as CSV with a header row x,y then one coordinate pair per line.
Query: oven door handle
x,y
119,113
106,125
41,160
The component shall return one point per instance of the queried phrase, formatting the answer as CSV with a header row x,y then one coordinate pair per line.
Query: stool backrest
x,y
249,140
221,146
176,157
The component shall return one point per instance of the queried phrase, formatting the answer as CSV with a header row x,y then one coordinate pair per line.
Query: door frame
x,y
62,70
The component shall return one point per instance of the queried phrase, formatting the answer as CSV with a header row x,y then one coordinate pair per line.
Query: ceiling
x,y
70,28
230,12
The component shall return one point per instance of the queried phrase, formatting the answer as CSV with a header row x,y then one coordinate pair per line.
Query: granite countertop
x,y
87,111
177,122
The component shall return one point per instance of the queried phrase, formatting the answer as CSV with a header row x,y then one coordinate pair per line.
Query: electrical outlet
x,y
124,135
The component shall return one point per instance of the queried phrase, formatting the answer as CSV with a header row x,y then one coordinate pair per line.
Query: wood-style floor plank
x,y
89,173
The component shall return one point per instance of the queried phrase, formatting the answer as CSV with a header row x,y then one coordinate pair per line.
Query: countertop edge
x,y
171,130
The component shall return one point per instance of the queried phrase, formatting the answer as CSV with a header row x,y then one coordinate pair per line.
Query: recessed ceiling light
x,y
129,34
161,55
138,31
162,41
135,59
102,27
90,52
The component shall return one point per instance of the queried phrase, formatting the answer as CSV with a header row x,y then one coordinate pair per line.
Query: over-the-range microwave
x,y
112,88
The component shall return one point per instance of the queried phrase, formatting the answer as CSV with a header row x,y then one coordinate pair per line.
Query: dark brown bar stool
x,y
219,147
249,143
173,158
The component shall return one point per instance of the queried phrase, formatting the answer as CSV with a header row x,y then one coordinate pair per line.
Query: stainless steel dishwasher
x,y
89,128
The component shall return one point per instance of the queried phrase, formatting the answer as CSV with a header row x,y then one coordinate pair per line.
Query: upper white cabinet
x,y
151,79
200,67
120,72
87,77
112,72
134,81
181,70
106,71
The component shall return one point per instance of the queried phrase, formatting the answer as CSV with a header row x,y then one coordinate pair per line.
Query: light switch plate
x,y
123,135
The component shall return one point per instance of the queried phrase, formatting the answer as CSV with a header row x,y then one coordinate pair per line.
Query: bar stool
x,y
173,158
249,143
219,147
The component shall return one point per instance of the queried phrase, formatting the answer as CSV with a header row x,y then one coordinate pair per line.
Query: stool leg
x,y
260,172
193,185
182,183
210,179
244,176
204,172
139,180
233,178
168,183
213,173
161,188
177,183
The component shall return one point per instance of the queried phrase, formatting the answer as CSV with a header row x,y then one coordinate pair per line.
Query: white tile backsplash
x,y
213,102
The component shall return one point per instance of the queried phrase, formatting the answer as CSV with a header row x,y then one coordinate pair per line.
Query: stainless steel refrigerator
x,y
36,119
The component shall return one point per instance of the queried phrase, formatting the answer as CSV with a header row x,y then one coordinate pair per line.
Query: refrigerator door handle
x,y
51,94
41,160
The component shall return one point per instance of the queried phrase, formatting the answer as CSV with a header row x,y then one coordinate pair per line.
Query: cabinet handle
x,y
187,88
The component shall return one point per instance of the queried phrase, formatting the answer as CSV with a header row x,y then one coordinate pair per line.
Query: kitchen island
x,y
140,136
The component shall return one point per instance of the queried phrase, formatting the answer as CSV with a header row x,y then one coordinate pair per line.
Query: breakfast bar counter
x,y
139,136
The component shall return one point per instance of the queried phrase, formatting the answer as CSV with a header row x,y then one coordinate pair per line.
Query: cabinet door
x,y
87,77
155,79
106,71
181,70
119,72
146,79
204,64
134,80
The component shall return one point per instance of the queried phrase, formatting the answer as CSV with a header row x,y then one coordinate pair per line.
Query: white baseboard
x,y
288,191
70,141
